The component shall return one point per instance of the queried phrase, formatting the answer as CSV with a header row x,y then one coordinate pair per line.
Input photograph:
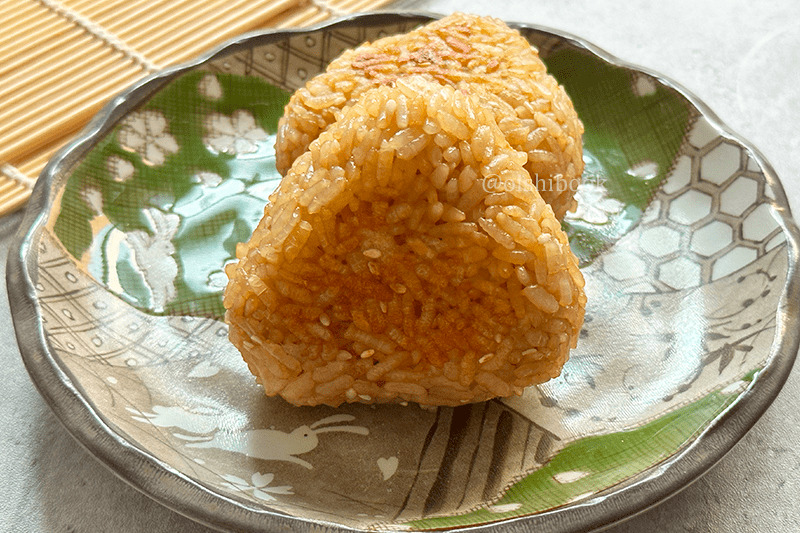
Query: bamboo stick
x,y
12,179
35,171
40,158
34,166
34,142
65,119
36,25
63,57
17,8
14,204
179,53
354,6
39,19
9,65
79,6
341,6
206,35
148,17
74,5
53,72
300,12
36,33
37,43
172,30
294,17
176,17
319,17
97,8
7,184
56,88
11,189
12,201
92,9
301,18
325,6
131,10
17,18
33,113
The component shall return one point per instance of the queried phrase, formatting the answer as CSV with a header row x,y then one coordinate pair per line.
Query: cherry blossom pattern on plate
x,y
258,486
121,169
235,134
210,87
147,133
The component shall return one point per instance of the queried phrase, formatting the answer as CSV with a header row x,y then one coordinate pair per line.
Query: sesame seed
x,y
373,253
485,358
399,288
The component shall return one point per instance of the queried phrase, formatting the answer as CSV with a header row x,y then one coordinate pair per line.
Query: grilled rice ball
x,y
388,268
480,55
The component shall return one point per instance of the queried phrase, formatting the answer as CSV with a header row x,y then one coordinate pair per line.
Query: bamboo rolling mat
x,y
60,62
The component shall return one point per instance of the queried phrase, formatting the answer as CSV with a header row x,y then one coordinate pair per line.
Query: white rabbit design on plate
x,y
153,255
266,444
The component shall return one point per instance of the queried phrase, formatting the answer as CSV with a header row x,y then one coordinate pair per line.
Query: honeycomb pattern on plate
x,y
711,217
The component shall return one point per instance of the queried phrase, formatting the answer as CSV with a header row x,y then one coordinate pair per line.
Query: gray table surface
x,y
741,57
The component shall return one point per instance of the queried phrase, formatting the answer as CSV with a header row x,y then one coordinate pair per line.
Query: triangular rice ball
x,y
406,256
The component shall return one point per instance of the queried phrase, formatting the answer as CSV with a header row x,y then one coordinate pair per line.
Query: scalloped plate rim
x,y
189,498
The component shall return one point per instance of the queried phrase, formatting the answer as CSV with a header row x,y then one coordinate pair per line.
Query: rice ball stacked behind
x,y
384,270
480,55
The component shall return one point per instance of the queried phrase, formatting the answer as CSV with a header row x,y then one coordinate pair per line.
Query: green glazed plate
x,y
684,237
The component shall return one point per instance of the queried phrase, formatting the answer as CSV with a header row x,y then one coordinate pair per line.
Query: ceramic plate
x,y
684,237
